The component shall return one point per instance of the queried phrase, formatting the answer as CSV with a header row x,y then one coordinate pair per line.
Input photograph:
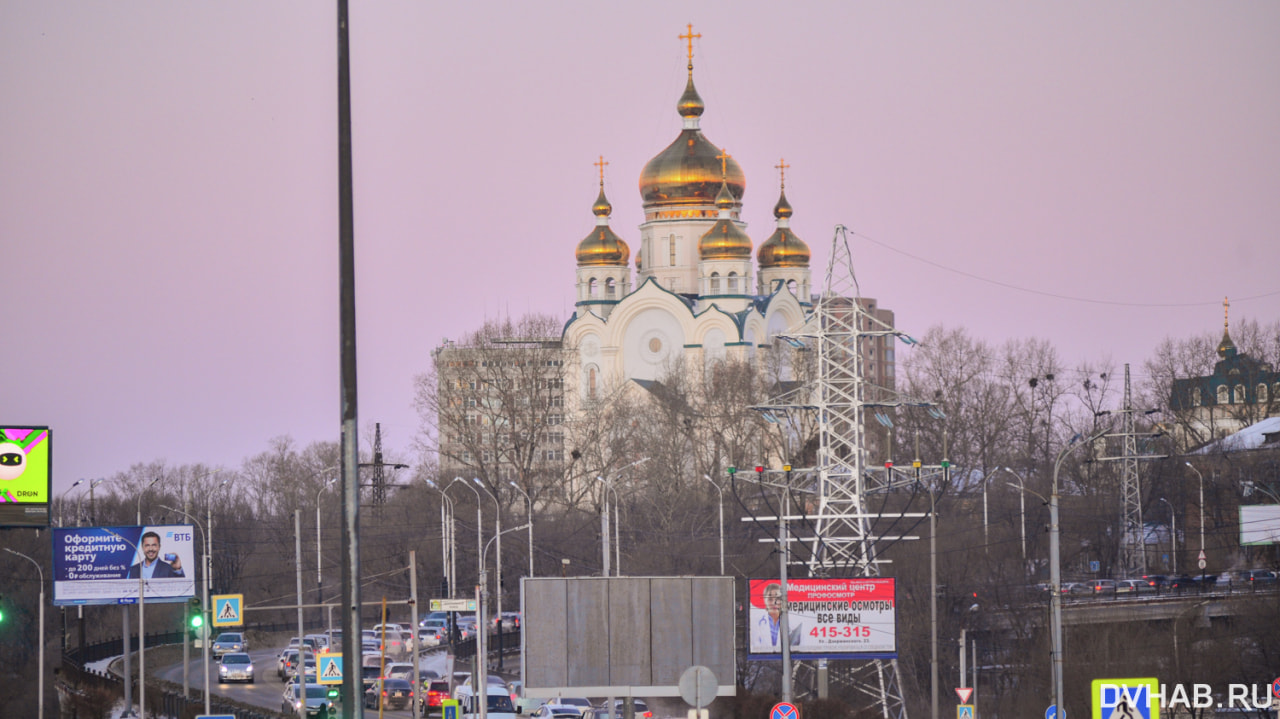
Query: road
x,y
268,689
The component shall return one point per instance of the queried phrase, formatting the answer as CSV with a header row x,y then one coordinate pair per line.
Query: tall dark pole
x,y
351,681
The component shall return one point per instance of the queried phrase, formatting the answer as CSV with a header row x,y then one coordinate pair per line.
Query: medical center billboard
x,y
840,618
102,565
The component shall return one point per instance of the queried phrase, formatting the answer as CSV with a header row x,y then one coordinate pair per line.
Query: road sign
x,y
453,605
1275,688
1095,565
449,709
964,711
698,686
1126,698
1052,712
784,710
964,693
329,670
1201,560
228,610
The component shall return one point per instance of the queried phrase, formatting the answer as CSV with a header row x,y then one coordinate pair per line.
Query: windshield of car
x,y
575,701
500,703
235,659
228,638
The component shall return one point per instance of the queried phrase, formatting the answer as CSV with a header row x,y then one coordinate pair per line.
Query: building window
x,y
1262,393
1195,396
715,283
591,383
555,419
592,289
610,288
486,456
1224,396
1275,389
733,282
671,245
1239,399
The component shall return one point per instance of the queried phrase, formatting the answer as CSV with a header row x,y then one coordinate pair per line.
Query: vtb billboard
x,y
102,565
840,618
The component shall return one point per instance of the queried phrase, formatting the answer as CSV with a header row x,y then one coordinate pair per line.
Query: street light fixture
x,y
150,484
604,517
479,520
721,506
41,657
1022,507
207,625
319,579
497,582
1192,467
448,540
62,504
528,499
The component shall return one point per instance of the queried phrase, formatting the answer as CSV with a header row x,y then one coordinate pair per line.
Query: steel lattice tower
x,y
1133,549
843,544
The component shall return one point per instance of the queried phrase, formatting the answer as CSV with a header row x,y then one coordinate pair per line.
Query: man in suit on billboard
x,y
152,566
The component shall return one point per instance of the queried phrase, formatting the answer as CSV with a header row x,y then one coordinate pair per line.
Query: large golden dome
x,y
602,246
725,240
783,248
687,172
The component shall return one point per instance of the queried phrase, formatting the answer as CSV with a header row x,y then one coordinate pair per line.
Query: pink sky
x,y
168,184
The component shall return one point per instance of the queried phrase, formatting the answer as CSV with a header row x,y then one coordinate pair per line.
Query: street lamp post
x,y
142,636
604,518
207,624
479,521
150,484
528,499
480,673
319,578
41,620
721,506
1055,571
1173,534
62,504
1201,478
448,540
497,584
1022,509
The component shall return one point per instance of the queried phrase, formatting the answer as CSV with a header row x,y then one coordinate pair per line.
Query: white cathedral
x,y
698,295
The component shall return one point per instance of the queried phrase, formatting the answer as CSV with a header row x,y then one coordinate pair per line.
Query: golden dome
x,y
783,248
725,240
602,246
687,172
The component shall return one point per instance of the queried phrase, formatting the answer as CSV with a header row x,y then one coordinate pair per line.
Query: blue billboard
x,y
103,565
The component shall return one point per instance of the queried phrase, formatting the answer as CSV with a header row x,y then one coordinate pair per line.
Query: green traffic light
x,y
197,621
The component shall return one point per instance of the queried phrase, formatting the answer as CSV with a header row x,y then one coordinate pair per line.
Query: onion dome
x,y
602,246
688,172
783,248
1226,348
725,240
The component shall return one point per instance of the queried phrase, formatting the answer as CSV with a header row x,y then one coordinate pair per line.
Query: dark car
x,y
369,675
388,693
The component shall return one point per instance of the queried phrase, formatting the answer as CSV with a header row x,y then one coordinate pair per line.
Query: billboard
x,y
841,618
1259,524
25,476
625,636
101,565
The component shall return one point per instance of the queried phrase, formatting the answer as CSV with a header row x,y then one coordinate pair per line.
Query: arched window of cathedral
x,y
1195,396
610,288
1239,399
792,286
592,288
715,283
1224,396
1262,392
591,383
733,281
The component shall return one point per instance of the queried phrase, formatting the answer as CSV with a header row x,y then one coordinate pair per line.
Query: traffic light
x,y
2,609
195,616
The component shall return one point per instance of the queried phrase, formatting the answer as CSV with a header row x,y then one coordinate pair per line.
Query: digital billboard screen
x,y
847,617
102,565
25,476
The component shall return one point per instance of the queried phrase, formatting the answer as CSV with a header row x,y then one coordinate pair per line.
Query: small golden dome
x,y
688,172
602,246
725,240
690,104
783,249
782,210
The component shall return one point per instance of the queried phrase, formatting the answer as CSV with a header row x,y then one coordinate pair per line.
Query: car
x,y
431,637
641,709
235,667
1258,577
229,642
557,711
320,642
497,706
388,693
317,699
1075,589
398,670
510,622
582,704
1135,586
369,675
284,663
435,691
428,620
1103,586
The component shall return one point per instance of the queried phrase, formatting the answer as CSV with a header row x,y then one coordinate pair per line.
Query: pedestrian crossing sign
x,y
1126,698
330,669
228,610
449,709
964,711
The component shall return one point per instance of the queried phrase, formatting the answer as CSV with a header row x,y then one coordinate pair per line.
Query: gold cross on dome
x,y
1226,306
781,167
724,157
691,37
601,164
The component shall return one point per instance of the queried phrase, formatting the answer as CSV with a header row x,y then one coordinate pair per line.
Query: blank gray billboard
x,y
619,636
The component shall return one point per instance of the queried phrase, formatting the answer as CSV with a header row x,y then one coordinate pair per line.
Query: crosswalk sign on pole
x,y
964,711
228,610
330,669
449,709
1126,698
